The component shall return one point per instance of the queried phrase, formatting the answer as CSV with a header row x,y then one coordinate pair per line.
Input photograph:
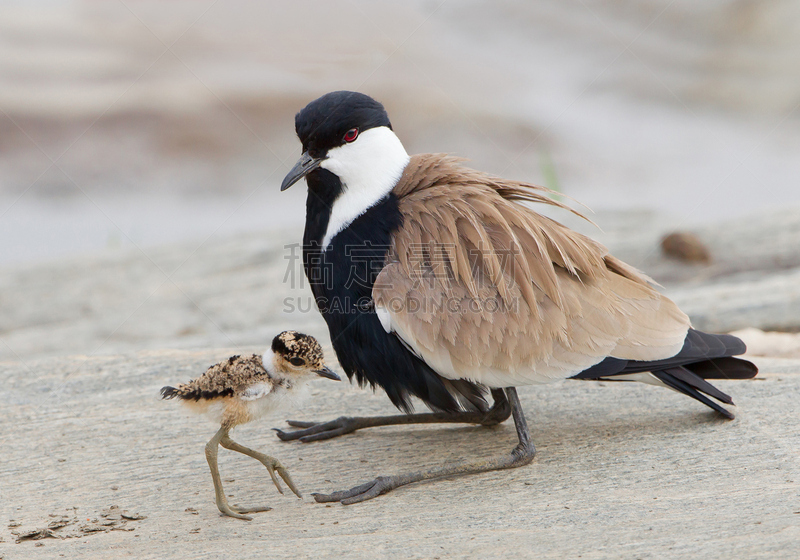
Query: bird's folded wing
x,y
483,288
256,391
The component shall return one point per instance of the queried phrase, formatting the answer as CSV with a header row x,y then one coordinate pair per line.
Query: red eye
x,y
351,135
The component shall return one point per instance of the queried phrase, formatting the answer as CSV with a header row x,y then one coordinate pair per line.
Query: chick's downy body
x,y
241,390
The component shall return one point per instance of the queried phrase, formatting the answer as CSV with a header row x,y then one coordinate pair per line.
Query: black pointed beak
x,y
303,167
328,372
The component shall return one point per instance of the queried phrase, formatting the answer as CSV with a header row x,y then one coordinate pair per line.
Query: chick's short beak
x,y
328,372
305,165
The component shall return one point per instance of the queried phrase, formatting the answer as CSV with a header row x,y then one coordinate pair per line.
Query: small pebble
x,y
685,246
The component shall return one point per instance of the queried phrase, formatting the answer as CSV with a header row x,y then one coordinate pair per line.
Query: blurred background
x,y
134,123
142,145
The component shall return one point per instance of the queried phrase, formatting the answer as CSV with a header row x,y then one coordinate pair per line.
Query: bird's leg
x,y
271,463
212,448
315,431
521,455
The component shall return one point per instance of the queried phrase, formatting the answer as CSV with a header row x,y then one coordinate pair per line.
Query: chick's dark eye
x,y
297,361
351,135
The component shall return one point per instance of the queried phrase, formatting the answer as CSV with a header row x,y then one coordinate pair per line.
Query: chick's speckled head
x,y
296,352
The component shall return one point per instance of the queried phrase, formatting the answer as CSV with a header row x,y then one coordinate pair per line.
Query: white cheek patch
x,y
368,168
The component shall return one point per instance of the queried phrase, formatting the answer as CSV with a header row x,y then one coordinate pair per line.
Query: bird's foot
x,y
371,489
317,431
272,464
238,513
275,466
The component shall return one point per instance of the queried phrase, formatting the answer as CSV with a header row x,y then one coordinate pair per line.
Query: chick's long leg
x,y
316,431
521,455
212,448
272,464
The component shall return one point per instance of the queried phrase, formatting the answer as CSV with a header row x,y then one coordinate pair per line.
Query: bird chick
x,y
245,388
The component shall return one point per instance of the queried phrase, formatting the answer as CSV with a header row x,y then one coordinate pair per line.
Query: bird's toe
x,y
302,424
363,492
313,431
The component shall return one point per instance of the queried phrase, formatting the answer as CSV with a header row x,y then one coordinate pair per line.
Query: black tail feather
x,y
169,393
724,368
703,356
193,394
699,383
669,377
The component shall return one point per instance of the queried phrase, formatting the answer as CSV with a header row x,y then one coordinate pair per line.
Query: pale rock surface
x,y
622,471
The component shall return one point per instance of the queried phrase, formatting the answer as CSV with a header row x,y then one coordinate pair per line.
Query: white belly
x,y
278,400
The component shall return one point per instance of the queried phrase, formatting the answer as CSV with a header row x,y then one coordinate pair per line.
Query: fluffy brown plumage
x,y
532,301
227,378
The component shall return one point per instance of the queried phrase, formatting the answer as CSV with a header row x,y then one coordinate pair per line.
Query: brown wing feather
x,y
484,288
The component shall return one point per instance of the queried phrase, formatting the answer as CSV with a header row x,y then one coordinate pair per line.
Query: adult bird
x,y
438,281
